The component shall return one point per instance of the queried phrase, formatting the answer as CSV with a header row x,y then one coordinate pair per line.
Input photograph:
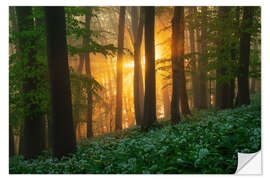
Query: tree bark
x,y
32,117
149,114
64,141
178,70
222,87
194,75
202,65
243,83
88,72
137,27
119,76
175,113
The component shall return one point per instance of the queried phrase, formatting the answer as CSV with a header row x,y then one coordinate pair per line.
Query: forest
x,y
133,90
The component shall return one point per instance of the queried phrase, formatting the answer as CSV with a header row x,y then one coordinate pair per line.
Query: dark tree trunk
x,y
137,27
202,65
64,141
43,133
175,48
231,93
222,87
32,117
178,70
11,142
149,114
243,83
194,75
11,136
88,72
119,78
253,79
49,123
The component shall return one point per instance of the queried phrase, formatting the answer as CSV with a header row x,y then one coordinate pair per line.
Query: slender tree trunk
x,y
149,114
253,79
222,87
137,27
64,141
194,75
32,117
175,48
88,72
202,65
11,136
231,91
243,83
178,74
179,55
119,78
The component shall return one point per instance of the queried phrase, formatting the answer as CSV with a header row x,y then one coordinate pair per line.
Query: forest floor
x,y
207,142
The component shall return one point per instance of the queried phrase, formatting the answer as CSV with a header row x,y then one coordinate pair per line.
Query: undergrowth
x,y
207,142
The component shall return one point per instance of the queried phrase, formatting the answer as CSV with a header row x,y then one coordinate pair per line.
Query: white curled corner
x,y
249,163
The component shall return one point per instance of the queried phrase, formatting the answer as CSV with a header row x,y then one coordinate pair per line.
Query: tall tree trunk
x,y
194,75
32,117
231,92
137,27
180,53
222,87
64,141
11,136
88,72
253,79
243,83
175,48
202,65
119,76
149,114
178,82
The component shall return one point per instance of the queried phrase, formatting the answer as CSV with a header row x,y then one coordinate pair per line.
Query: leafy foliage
x,y
19,72
206,143
81,85
76,31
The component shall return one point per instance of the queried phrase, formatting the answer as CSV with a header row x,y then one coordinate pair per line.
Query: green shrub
x,y
207,142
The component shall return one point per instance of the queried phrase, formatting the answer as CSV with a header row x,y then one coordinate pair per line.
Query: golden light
x,y
158,53
129,64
